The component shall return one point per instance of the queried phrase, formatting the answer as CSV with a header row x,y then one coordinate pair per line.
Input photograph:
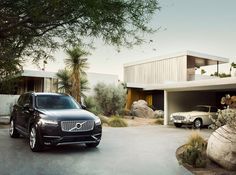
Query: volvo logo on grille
x,y
78,125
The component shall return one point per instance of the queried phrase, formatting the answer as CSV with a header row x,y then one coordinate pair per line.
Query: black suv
x,y
53,119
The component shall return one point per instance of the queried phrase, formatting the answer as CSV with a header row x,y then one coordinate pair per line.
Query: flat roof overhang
x,y
210,84
201,59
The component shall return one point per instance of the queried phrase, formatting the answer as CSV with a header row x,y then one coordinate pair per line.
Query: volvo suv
x,y
49,119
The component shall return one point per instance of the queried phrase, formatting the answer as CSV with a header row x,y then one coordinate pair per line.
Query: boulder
x,y
140,109
221,147
159,114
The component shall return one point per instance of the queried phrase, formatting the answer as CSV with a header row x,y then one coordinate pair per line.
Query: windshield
x,y
56,102
201,108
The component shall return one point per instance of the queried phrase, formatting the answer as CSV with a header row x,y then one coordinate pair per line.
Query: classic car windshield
x,y
202,108
56,102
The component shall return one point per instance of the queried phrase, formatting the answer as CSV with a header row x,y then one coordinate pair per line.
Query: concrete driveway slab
x,y
128,151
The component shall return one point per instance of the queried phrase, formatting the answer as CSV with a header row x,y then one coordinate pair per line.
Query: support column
x,y
166,116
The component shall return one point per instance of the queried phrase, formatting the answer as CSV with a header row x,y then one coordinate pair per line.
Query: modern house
x,y
41,81
170,83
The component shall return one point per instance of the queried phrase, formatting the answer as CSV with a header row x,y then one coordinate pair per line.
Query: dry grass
x,y
159,121
116,121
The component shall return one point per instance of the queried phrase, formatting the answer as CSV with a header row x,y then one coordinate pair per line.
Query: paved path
x,y
145,150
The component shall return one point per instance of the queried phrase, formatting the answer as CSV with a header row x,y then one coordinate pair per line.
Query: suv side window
x,y
20,100
27,99
213,109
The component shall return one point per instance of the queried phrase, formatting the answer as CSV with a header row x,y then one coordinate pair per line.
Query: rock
x,y
221,147
159,114
140,109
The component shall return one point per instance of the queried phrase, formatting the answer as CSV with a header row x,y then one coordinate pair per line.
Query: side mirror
x,y
83,107
26,106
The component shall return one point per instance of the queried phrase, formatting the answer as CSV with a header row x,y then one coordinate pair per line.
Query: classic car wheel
x,y
12,130
178,125
197,123
34,140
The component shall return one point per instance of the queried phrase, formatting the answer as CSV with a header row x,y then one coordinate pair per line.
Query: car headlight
x,y
98,121
48,122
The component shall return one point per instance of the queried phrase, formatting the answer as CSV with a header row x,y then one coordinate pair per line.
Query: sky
x,y
205,26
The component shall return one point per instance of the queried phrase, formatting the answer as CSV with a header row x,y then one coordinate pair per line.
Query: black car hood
x,y
68,114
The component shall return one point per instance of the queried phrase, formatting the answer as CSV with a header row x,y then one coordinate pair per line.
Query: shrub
x,y
110,98
91,105
117,122
104,119
195,151
159,121
226,116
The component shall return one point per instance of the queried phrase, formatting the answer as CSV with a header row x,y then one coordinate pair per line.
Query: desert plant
x,y
159,121
194,152
77,64
116,121
110,98
225,117
91,105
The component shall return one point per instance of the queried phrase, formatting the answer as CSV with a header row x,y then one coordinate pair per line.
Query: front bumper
x,y
53,135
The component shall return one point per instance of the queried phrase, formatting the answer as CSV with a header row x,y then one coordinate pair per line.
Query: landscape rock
x,y
140,109
221,147
159,114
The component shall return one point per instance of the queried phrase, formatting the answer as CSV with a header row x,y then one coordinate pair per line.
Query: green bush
x,y
159,121
115,121
91,105
195,151
110,99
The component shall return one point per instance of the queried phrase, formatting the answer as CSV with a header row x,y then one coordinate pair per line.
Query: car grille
x,y
77,125
177,117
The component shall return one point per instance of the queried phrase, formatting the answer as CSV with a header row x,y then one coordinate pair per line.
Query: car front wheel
x,y
34,140
12,130
197,123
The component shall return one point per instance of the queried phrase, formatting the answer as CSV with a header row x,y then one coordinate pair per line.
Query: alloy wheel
x,y
32,137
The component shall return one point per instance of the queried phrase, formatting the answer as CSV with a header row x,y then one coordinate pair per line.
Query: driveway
x,y
128,151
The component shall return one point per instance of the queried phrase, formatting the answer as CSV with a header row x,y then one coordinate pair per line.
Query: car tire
x,y
34,140
92,145
178,125
197,123
12,130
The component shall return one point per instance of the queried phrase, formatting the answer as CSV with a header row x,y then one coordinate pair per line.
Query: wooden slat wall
x,y
157,72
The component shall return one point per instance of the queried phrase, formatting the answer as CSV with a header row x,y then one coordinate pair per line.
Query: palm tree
x,y
77,64
84,86
64,83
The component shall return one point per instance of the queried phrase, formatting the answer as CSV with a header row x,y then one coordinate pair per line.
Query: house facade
x,y
170,83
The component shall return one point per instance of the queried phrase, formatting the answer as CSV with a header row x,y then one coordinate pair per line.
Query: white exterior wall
x,y
157,71
6,103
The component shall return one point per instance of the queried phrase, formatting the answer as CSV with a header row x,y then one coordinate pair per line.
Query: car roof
x,y
47,93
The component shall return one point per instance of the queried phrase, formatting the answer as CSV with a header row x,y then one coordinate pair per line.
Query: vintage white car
x,y
200,116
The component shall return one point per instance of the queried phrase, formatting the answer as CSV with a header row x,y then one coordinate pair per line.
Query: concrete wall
x,y
185,101
6,103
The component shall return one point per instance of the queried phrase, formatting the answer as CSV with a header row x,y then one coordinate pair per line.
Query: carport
x,y
183,96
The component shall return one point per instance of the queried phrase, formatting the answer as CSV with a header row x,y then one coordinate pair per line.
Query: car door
x,y
27,111
18,112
